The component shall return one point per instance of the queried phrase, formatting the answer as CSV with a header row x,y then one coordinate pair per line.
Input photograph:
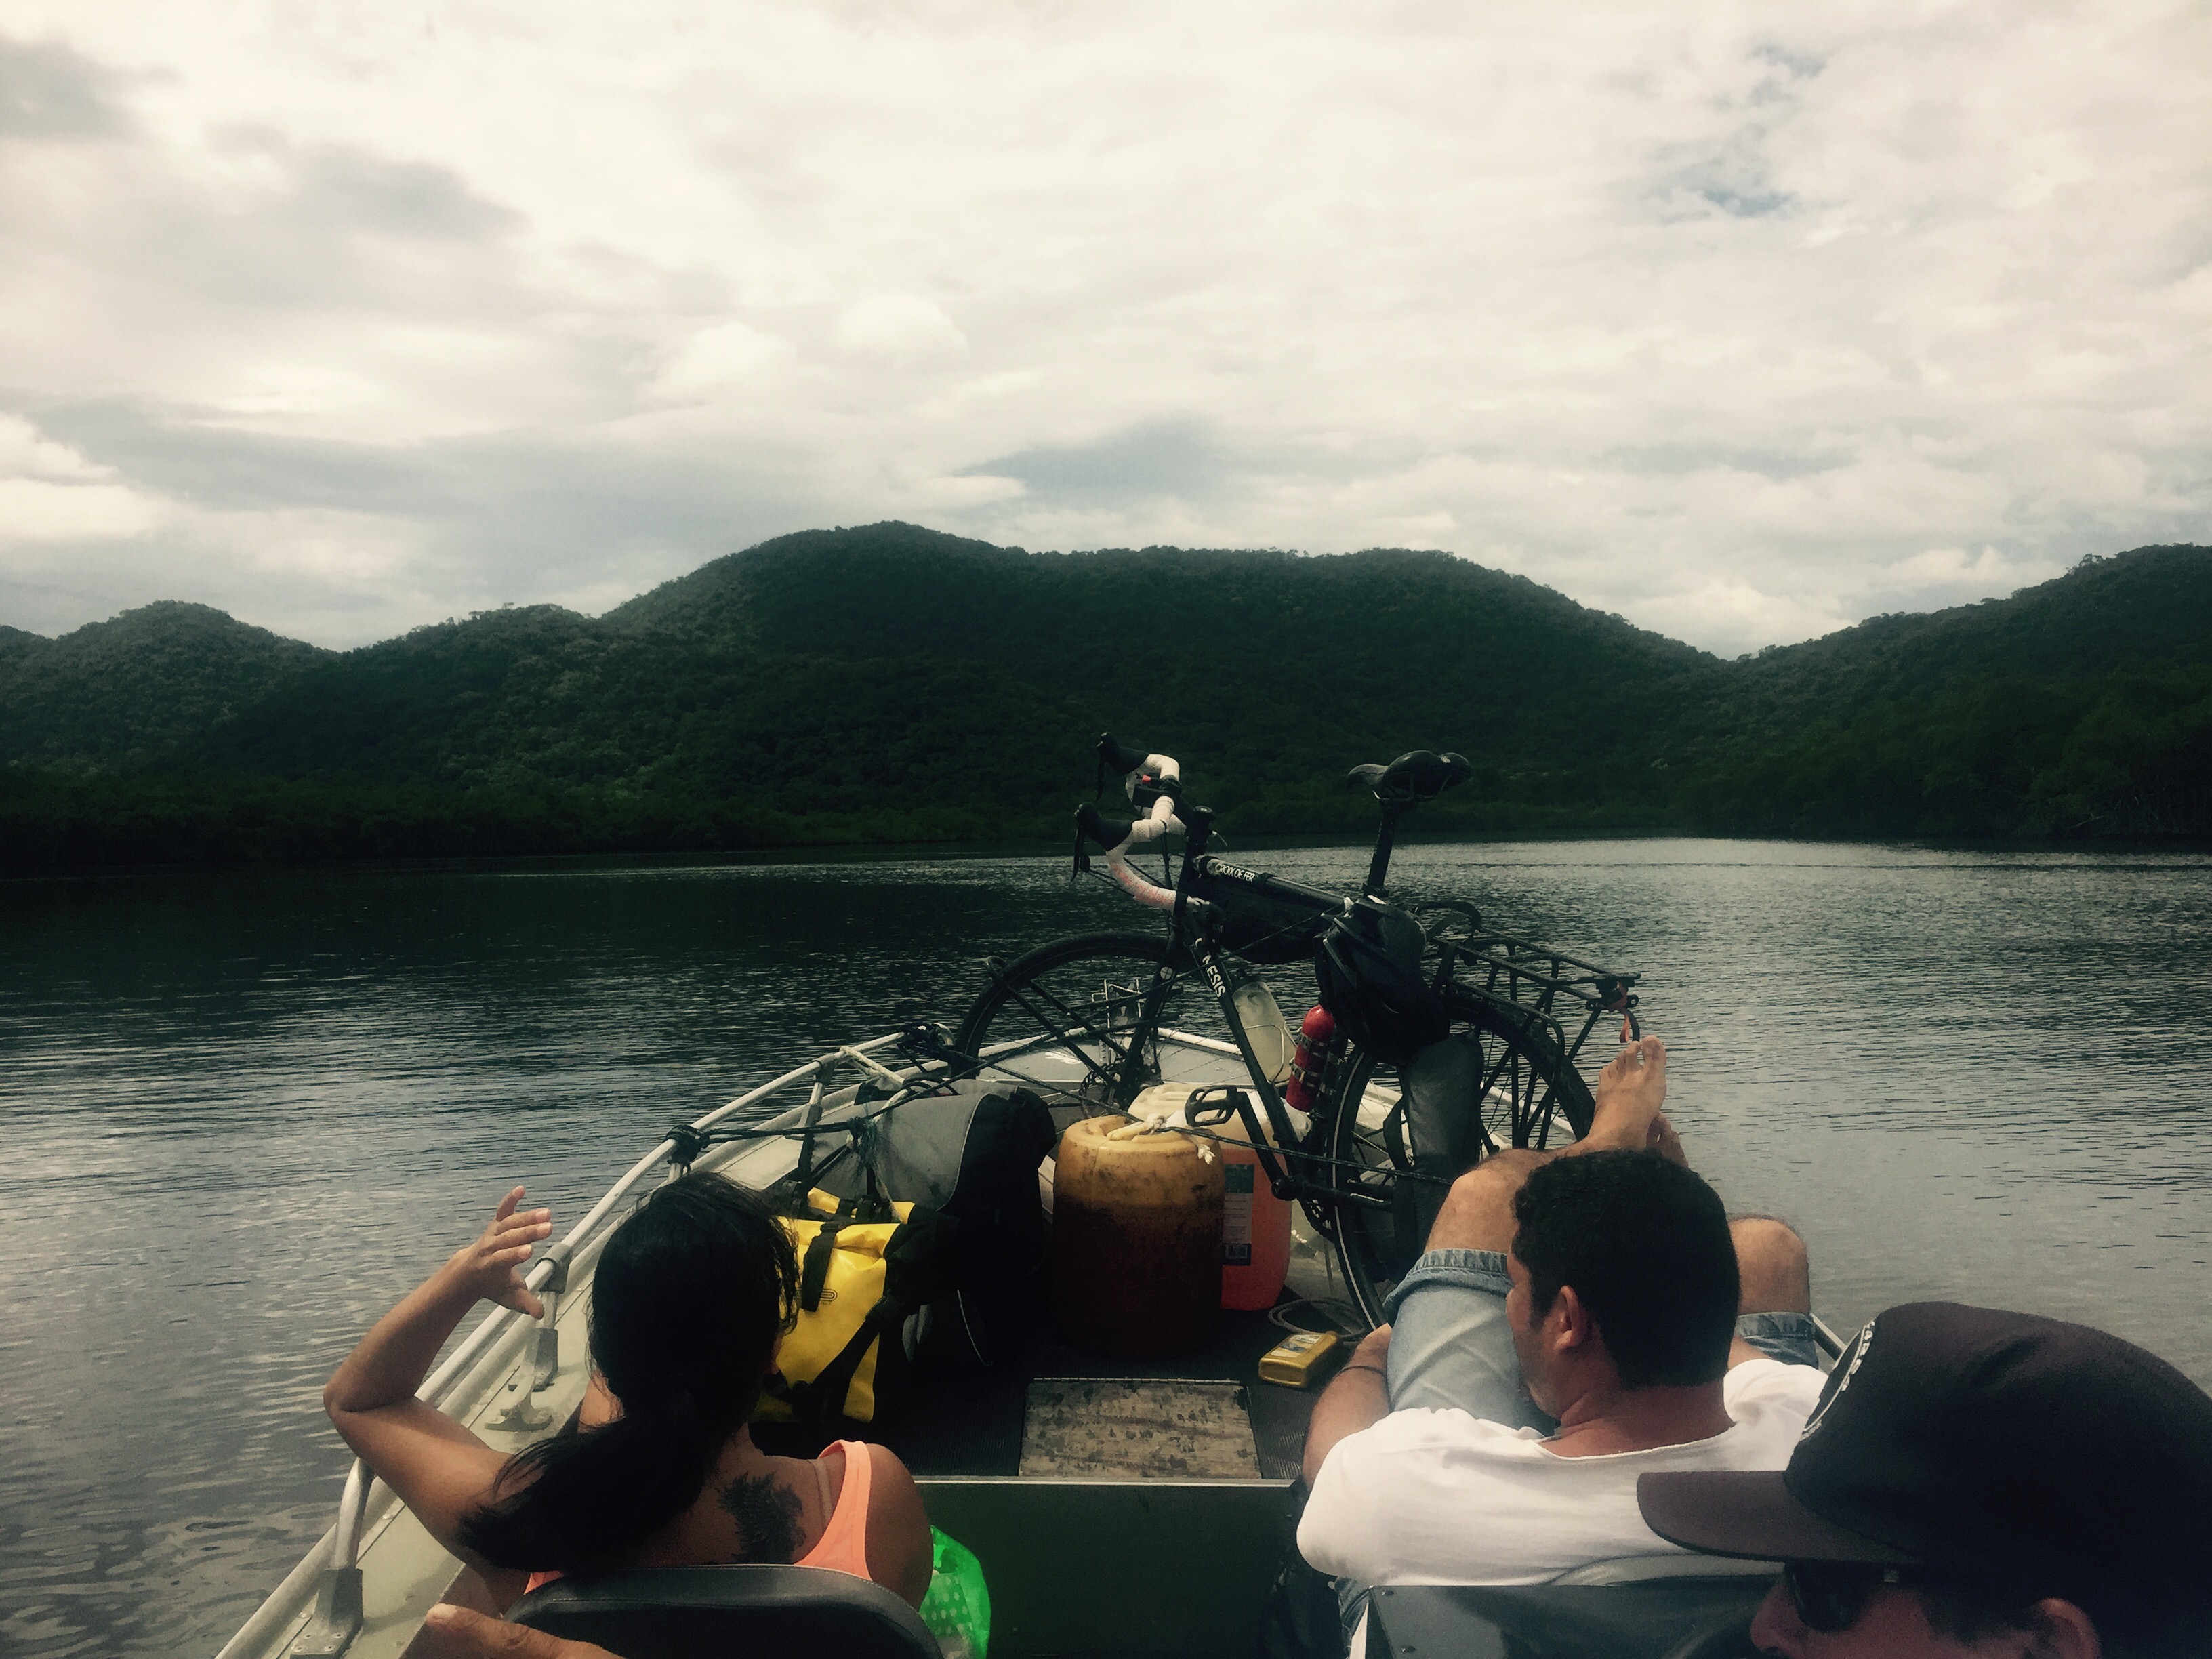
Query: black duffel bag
x,y
970,1152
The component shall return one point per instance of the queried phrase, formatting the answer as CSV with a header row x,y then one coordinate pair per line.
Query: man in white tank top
x,y
1579,1319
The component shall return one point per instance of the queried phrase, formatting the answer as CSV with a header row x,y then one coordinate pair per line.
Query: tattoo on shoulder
x,y
767,1514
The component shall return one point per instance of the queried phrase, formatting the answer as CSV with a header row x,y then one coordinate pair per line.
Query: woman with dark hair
x,y
692,1296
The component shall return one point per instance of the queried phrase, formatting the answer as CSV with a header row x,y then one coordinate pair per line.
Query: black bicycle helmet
x,y
1371,983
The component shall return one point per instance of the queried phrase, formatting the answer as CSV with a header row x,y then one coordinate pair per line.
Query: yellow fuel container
x,y
1136,1241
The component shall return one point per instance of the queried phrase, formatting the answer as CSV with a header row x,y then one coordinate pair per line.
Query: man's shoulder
x,y
1426,1429
1773,1380
1770,1398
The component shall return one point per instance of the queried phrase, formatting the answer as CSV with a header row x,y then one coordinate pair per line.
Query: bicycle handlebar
x,y
1154,788
1117,758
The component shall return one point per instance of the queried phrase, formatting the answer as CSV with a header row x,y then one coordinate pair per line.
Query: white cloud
x,y
39,509
898,331
928,491
25,453
1736,609
50,493
717,361
1740,321
1951,566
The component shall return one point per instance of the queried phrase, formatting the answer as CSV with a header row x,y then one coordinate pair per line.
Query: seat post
x,y
1378,867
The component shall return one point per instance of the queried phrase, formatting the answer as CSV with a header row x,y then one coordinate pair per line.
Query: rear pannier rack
x,y
1521,978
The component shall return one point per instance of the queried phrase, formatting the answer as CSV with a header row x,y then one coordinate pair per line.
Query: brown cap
x,y
1993,1448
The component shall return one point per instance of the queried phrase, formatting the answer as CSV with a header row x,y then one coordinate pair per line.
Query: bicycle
x,y
1448,1045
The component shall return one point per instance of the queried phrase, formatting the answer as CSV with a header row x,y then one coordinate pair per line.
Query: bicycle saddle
x,y
1416,774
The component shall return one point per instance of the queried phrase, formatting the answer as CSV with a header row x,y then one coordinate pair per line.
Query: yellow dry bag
x,y
865,1266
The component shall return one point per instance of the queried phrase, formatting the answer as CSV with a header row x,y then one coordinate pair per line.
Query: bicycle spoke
x,y
1112,1009
1065,1033
1062,1034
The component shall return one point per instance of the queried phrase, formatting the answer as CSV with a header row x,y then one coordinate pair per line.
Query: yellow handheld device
x,y
1298,1361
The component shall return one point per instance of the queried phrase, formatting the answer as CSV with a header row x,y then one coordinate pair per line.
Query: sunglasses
x,y
1833,1596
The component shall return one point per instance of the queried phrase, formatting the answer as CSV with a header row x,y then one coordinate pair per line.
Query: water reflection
x,y
243,1113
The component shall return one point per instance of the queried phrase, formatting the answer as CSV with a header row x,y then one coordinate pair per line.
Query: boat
x,y
1169,1542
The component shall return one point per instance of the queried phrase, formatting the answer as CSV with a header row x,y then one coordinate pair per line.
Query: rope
x,y
1152,1125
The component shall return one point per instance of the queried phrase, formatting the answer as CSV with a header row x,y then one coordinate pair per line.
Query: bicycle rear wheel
x,y
1502,1082
1100,1017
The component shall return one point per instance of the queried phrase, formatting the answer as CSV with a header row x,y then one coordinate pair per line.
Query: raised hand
x,y
492,1265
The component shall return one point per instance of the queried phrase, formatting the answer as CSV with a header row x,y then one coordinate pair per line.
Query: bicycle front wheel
x,y
1100,1017
1401,1135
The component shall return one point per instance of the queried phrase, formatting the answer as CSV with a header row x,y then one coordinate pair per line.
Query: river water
x,y
243,1113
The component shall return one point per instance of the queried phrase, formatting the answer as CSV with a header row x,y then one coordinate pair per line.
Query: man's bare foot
x,y
1664,1141
1631,1090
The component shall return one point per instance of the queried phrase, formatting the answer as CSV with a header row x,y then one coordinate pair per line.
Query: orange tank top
x,y
843,1545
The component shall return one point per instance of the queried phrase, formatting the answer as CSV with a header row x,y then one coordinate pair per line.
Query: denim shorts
x,y
1450,1346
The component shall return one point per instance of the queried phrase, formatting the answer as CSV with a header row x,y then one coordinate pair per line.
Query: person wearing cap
x,y
1575,1321
1973,1481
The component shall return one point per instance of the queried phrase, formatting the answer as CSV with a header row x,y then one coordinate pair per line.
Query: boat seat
x,y
711,1613
1646,1613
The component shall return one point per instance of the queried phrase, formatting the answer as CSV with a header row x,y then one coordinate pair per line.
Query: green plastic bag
x,y
958,1609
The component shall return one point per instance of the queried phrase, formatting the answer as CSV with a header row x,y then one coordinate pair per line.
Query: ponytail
x,y
690,1295
579,1500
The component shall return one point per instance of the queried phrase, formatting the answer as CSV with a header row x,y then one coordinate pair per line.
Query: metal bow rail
x,y
332,1567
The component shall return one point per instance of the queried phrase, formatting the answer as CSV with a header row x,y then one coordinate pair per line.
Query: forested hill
x,y
152,683
889,682
2152,606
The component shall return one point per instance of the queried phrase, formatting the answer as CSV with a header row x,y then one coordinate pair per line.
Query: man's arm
x,y
1357,1398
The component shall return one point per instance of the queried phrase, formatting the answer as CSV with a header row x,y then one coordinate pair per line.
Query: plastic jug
x,y
1264,1028
1255,1225
1136,1241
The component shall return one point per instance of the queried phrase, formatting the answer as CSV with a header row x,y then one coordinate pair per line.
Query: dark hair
x,y
1645,1244
690,1294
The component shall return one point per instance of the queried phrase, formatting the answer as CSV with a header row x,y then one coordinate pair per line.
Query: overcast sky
x,y
1744,322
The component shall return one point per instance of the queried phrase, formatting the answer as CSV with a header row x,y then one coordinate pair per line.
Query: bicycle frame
x,y
1199,942
1522,981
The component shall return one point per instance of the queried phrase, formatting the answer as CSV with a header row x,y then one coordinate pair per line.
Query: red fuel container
x,y
1255,1232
